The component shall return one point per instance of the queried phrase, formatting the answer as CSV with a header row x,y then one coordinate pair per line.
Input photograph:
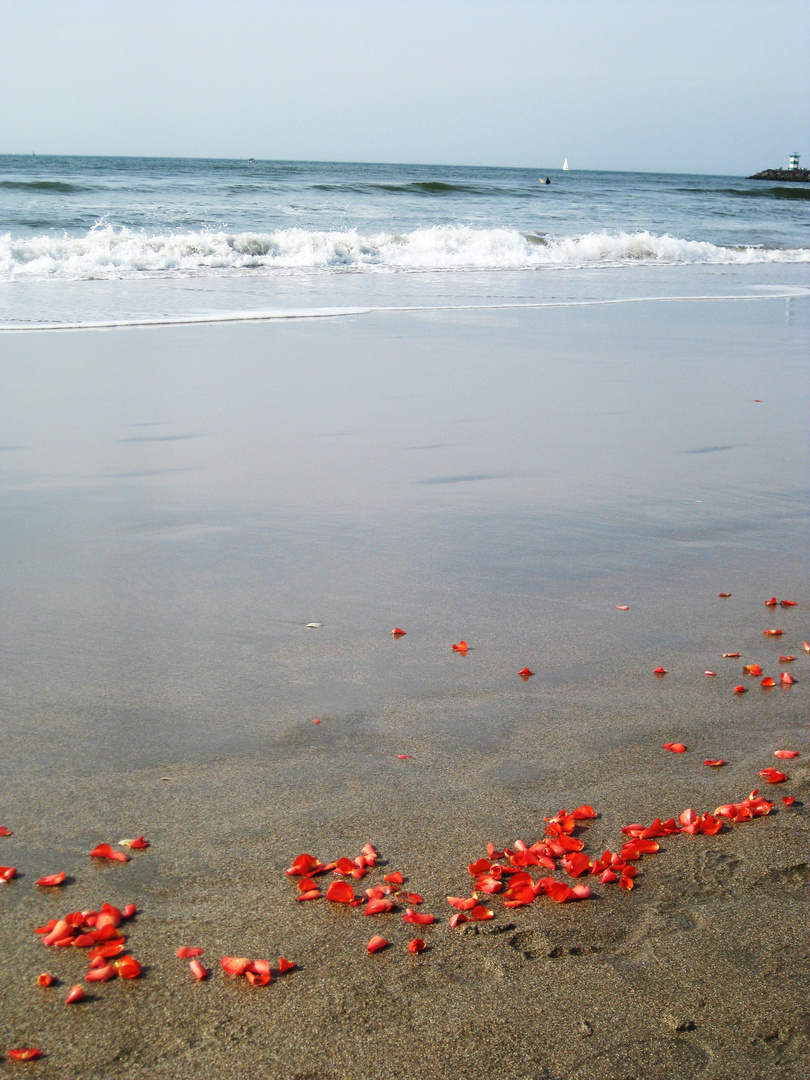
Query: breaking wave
x,y
109,253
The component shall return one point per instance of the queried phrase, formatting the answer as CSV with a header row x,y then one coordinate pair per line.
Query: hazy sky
x,y
716,86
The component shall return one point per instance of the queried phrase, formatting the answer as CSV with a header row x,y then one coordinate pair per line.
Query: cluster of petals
x,y
755,805
693,823
105,851
99,932
772,775
257,972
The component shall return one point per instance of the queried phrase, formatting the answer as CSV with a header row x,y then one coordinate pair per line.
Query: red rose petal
x,y
52,880
235,965
377,943
340,892
104,851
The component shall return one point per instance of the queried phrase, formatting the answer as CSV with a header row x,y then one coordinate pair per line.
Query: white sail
x,y
565,165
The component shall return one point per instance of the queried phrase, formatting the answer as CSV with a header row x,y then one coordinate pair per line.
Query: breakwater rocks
x,y
801,175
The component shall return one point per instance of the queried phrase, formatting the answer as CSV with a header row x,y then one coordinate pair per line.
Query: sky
x,y
652,85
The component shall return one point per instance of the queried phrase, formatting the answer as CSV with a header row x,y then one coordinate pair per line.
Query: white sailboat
x,y
565,166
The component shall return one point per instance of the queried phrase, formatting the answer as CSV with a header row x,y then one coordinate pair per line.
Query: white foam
x,y
110,253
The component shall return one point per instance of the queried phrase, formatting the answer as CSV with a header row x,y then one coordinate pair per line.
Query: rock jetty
x,y
801,175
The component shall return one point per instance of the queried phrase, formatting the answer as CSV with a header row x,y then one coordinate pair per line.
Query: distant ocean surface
x,y
119,240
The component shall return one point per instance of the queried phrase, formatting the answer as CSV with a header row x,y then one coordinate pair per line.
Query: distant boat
x,y
565,166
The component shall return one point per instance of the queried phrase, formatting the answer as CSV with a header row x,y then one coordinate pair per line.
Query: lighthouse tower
x,y
794,162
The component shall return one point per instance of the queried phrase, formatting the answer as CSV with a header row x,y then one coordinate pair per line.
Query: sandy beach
x,y
180,502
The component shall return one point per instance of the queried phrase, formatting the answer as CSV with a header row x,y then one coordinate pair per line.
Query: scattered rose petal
x,y
731,655
772,602
100,974
788,800
51,880
104,851
752,669
340,892
772,775
285,965
198,970
377,943
4,831
786,755
481,914
397,632
186,952
129,911
418,918
786,659
710,674
394,879
315,721
75,994
461,647
675,747
767,682
525,673
714,762
127,967
24,1053
416,946
344,867
622,607
235,965
7,873
786,680
105,951
773,633
304,865
787,603
257,978
739,689
724,595
659,671
458,919
46,979
576,863
404,757
806,646
379,907
137,844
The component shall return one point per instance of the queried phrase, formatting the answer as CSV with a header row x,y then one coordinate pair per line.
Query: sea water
x,y
114,240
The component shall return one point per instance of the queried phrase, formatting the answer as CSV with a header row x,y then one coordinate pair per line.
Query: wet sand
x,y
178,504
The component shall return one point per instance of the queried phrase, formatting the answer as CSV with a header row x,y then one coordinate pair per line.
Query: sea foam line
x,y
107,252
331,313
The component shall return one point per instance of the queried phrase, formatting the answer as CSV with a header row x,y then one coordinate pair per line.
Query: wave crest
x,y
108,252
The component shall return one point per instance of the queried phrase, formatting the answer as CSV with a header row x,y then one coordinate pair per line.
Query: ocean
x,y
94,240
